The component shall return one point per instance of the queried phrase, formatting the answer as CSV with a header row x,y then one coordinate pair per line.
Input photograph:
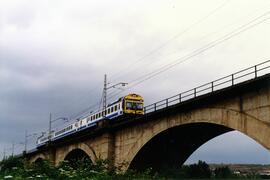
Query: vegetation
x,y
17,168
223,172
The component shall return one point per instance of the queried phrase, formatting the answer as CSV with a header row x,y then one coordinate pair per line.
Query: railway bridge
x,y
172,129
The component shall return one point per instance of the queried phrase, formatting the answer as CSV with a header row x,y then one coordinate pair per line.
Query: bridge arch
x,y
77,154
80,150
220,119
40,157
39,160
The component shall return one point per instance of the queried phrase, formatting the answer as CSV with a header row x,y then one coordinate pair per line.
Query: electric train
x,y
127,105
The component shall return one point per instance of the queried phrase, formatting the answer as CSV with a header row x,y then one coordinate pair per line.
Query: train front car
x,y
133,104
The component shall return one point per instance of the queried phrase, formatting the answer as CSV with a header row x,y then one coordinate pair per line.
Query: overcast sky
x,y
54,54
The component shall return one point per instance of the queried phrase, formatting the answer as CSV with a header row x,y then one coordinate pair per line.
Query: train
x,y
131,104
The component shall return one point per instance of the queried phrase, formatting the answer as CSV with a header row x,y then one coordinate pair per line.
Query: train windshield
x,y
134,105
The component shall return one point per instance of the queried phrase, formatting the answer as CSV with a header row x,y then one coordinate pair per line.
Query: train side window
x,y
109,110
118,106
115,108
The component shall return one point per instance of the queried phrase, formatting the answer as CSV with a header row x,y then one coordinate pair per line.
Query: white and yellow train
x,y
127,105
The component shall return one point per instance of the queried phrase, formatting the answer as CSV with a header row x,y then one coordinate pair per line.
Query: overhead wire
x,y
84,98
131,65
199,51
209,35
221,29
209,44
154,73
84,111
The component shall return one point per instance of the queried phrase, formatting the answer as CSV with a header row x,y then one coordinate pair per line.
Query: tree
x,y
11,162
199,170
223,172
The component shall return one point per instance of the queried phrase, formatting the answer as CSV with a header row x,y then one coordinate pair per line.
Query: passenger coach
x,y
132,104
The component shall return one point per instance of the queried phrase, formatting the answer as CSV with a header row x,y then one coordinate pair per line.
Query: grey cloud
x,y
21,15
55,58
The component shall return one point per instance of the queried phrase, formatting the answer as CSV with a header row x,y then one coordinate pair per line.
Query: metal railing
x,y
224,82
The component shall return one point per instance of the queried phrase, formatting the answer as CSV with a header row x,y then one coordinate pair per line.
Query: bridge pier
x,y
100,147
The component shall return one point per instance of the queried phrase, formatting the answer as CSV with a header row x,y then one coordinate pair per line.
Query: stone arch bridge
x,y
166,137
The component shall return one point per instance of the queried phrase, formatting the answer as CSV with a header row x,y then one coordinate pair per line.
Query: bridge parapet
x,y
221,83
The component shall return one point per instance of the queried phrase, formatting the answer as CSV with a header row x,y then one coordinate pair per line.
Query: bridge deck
x,y
234,84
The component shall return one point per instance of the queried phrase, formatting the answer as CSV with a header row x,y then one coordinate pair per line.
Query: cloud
x,y
53,54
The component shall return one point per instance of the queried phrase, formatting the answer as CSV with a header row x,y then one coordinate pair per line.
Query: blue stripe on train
x,y
112,115
84,127
71,132
41,144
91,124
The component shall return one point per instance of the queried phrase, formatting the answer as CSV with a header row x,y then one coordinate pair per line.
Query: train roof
x,y
133,96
